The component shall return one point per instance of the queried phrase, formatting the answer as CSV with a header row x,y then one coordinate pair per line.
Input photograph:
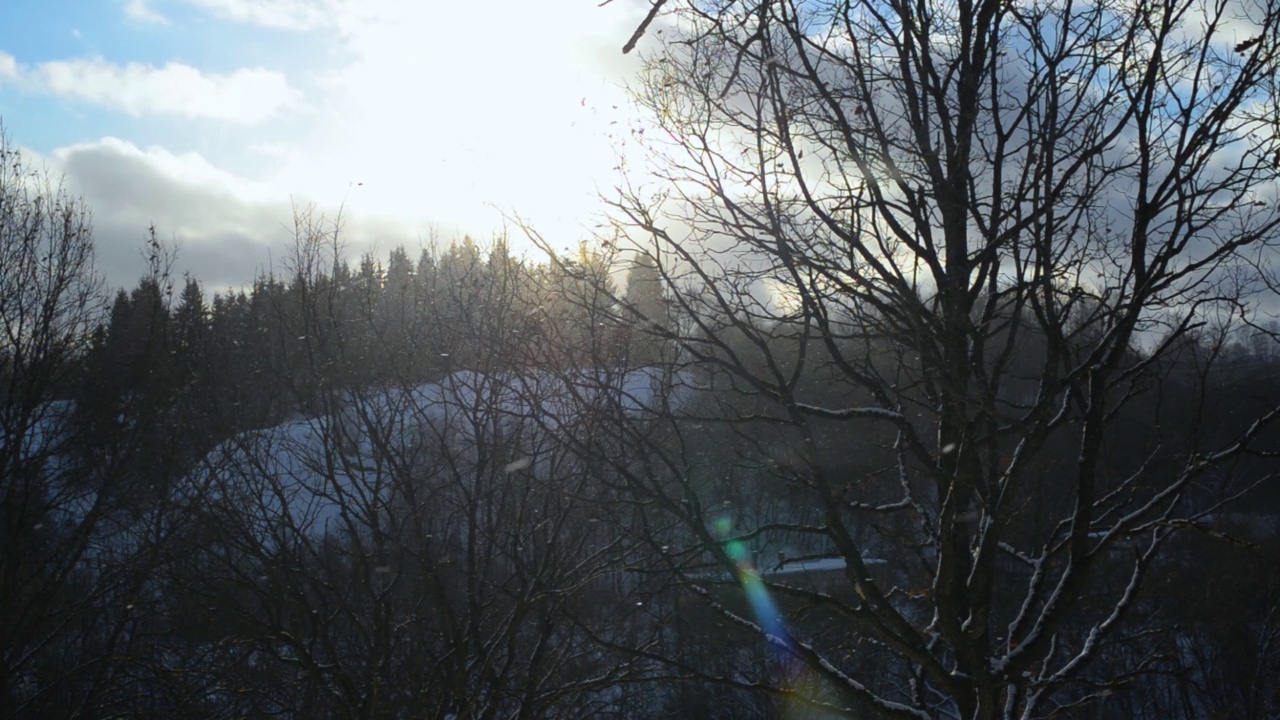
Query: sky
x,y
214,119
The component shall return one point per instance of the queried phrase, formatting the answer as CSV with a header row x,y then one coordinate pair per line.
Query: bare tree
x,y
410,548
958,277
54,582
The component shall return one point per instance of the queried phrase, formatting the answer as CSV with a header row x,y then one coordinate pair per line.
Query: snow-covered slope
x,y
338,472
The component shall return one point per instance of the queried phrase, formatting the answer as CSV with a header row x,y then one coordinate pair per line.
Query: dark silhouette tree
x,y
652,325
959,243
58,590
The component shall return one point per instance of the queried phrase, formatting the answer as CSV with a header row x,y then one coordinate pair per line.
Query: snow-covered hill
x,y
338,471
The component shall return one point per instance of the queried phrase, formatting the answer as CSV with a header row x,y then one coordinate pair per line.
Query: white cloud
x,y
188,168
282,14
140,11
244,96
8,67
228,228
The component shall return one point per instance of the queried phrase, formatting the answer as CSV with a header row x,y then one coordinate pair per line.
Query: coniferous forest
x,y
938,377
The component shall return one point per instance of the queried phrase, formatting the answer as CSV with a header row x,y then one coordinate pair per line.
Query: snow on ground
x,y
331,473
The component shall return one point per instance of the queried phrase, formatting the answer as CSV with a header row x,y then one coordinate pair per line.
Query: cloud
x,y
228,229
8,67
281,14
245,96
222,232
140,11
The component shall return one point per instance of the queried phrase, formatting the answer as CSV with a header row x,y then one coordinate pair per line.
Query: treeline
x,y
199,369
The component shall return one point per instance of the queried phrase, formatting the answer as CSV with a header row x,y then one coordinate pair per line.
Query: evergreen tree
x,y
649,337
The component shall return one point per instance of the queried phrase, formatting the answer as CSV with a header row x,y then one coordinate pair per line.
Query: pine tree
x,y
649,336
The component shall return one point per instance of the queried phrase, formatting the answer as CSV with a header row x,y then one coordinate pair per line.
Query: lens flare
x,y
757,594
765,610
